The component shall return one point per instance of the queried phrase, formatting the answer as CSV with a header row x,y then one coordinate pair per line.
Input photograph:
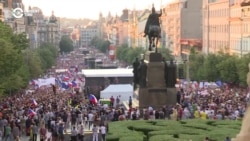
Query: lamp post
x,y
241,36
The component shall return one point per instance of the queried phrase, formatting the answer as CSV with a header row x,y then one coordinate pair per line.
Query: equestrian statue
x,y
153,29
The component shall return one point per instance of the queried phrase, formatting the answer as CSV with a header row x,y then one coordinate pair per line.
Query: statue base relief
x,y
244,134
155,94
245,128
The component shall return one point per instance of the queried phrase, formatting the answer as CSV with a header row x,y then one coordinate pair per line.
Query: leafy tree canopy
x,y
66,44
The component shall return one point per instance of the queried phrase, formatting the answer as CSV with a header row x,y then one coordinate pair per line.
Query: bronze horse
x,y
153,37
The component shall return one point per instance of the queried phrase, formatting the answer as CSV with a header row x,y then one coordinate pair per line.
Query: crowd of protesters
x,y
52,113
220,103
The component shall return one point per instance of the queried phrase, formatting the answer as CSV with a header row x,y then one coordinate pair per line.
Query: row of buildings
x,y
209,26
38,28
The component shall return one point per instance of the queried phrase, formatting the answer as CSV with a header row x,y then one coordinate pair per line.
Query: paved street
x,y
87,136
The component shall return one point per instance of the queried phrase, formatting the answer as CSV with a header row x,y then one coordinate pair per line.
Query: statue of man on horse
x,y
153,29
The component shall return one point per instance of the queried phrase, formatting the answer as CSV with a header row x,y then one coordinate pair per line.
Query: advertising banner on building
x,y
112,52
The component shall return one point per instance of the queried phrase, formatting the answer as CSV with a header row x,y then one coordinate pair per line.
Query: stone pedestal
x,y
155,94
245,129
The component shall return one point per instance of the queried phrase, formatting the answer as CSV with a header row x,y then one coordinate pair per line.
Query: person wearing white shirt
x,y
103,132
95,133
74,134
80,132
91,119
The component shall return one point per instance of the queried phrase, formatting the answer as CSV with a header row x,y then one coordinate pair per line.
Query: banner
x,y
45,82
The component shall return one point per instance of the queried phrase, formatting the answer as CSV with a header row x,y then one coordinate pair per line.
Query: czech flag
x,y
92,99
74,84
66,78
31,113
34,103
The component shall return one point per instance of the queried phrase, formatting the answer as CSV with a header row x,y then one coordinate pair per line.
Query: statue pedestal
x,y
155,94
244,132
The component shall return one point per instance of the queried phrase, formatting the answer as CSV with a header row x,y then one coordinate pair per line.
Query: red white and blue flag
x,y
31,113
92,99
34,103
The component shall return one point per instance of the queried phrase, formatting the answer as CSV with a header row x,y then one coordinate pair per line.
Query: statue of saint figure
x,y
135,71
170,74
142,71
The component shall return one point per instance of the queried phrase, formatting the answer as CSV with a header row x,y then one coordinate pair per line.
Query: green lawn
x,y
168,130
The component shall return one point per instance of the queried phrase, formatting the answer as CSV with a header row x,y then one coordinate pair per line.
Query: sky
x,y
91,8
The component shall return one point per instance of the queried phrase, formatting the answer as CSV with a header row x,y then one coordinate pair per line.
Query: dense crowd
x,y
221,103
51,113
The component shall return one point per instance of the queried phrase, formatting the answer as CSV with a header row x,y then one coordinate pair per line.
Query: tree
x,y
242,68
33,63
133,53
5,32
210,72
166,53
10,63
46,58
20,42
228,69
102,45
196,68
66,44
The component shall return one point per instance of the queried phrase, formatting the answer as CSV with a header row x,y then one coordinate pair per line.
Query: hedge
x,y
168,130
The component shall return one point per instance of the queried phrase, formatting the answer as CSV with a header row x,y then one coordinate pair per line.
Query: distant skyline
x,y
91,8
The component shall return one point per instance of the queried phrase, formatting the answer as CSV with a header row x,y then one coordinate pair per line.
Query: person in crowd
x,y
117,101
90,119
74,134
227,139
7,132
103,132
130,101
95,133
61,132
43,133
112,100
206,139
80,132
16,132
34,132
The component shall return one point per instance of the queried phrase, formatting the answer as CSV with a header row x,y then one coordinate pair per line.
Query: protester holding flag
x,y
93,99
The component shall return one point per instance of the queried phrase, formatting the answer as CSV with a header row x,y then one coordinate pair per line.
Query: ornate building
x,y
47,30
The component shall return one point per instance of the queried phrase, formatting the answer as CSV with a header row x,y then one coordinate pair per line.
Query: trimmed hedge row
x,y
168,130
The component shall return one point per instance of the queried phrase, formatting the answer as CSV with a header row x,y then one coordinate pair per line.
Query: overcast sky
x,y
91,8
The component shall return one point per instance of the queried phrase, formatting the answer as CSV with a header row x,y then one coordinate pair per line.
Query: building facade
x,y
182,26
216,26
239,27
88,33
48,30
226,26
